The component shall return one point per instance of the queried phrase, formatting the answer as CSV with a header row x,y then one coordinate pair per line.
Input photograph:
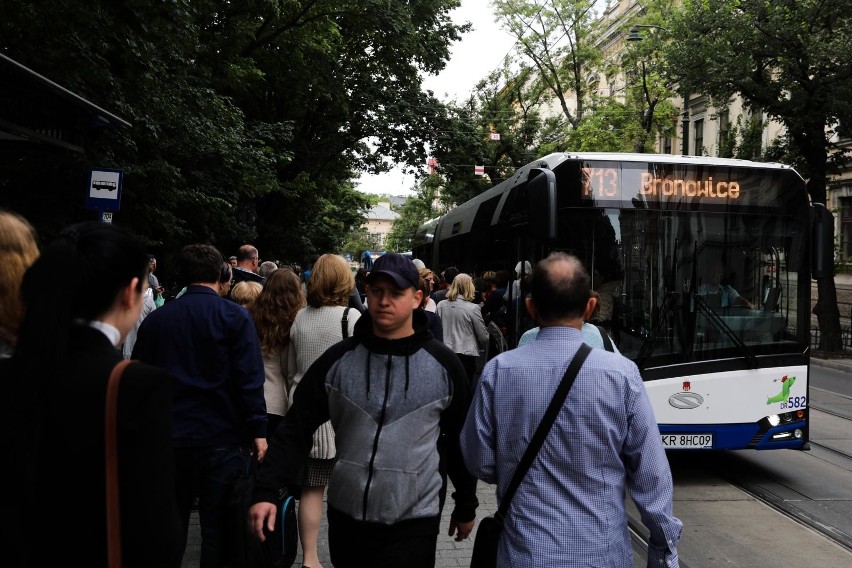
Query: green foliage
x,y
744,140
791,60
559,40
248,119
502,104
357,242
417,210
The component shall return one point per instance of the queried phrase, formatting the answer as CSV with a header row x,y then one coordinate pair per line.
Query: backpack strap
x,y
607,340
344,323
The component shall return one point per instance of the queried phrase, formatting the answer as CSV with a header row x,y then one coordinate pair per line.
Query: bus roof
x,y
459,220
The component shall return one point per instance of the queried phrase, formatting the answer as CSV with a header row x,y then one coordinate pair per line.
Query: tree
x,y
502,104
559,40
417,210
193,165
249,118
359,240
649,85
611,127
793,61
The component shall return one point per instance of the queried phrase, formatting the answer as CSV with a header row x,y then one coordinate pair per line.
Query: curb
x,y
843,365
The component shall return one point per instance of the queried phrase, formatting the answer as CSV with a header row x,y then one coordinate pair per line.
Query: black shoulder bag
x,y
607,340
490,528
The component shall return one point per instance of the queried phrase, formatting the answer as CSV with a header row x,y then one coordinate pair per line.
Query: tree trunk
x,y
828,316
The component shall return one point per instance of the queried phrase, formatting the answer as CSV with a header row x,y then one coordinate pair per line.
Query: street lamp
x,y
636,35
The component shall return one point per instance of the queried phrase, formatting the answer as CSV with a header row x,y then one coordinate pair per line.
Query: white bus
x,y
704,267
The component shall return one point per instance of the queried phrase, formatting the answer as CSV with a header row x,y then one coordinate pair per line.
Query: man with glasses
x,y
248,262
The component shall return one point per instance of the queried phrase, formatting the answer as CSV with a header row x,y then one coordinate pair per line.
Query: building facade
x,y
378,223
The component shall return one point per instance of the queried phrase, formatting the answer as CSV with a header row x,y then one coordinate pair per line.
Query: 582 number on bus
x,y
795,402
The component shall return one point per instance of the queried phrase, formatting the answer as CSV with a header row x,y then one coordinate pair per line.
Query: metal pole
x,y
685,122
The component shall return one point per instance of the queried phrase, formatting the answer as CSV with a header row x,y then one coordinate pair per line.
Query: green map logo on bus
x,y
786,383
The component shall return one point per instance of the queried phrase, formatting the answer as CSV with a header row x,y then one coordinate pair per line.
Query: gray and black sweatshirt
x,y
397,407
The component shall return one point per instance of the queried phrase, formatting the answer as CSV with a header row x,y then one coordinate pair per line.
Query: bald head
x,y
560,288
248,258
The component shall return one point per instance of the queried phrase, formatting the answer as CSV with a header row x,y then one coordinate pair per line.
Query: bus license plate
x,y
687,440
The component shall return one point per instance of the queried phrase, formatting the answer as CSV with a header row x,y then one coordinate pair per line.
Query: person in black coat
x,y
82,296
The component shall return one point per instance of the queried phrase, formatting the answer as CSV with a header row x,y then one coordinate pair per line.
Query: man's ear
x,y
590,308
129,295
418,295
530,305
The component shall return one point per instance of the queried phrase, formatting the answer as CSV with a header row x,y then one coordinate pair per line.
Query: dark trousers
x,y
378,546
469,364
207,474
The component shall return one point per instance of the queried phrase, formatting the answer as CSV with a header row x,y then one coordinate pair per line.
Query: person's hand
x,y
460,529
261,514
260,447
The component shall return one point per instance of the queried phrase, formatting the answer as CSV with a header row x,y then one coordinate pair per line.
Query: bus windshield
x,y
693,286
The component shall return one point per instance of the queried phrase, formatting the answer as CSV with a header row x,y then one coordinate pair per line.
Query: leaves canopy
x,y
249,119
790,59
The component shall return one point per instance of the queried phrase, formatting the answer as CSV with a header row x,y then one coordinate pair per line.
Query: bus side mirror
x,y
541,204
822,251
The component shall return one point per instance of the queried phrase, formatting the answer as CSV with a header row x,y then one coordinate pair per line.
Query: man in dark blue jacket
x,y
397,399
210,346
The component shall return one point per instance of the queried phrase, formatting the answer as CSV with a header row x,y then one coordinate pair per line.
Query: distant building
x,y
397,201
378,223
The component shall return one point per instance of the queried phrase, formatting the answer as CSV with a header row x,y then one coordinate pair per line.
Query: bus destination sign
x,y
618,182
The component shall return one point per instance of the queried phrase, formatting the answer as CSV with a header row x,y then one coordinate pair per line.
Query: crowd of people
x,y
362,389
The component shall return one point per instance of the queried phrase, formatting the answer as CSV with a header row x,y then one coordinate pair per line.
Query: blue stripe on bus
x,y
739,436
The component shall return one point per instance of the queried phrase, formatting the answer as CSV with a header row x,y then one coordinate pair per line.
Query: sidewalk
x,y
843,365
450,554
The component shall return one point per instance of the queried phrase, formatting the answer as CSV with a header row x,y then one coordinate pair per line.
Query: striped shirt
x,y
569,511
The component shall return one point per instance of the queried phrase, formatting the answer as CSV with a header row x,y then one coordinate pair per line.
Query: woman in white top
x,y
464,328
273,313
317,327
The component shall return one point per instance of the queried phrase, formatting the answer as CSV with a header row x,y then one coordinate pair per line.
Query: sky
x,y
480,51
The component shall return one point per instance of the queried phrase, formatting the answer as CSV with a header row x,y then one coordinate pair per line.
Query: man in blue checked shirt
x,y
570,508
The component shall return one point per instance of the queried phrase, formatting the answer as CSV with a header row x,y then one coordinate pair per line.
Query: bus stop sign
x,y
104,191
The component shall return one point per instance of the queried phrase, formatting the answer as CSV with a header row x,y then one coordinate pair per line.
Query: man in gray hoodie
x,y
397,399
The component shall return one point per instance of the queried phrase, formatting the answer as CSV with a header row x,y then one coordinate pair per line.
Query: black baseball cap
x,y
398,267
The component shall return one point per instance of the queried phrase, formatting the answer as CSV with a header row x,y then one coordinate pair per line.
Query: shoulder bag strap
x,y
607,340
113,517
544,427
344,323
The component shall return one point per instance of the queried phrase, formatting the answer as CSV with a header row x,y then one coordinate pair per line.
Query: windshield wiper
x,y
720,324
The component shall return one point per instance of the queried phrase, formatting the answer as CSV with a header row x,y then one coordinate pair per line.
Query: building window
x,y
724,124
846,228
725,146
667,145
698,129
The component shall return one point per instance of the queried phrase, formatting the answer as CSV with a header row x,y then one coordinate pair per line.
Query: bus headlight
x,y
774,420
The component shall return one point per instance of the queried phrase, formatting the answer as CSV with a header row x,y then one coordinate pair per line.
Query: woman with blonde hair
x,y
18,250
273,313
464,328
319,325
245,292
